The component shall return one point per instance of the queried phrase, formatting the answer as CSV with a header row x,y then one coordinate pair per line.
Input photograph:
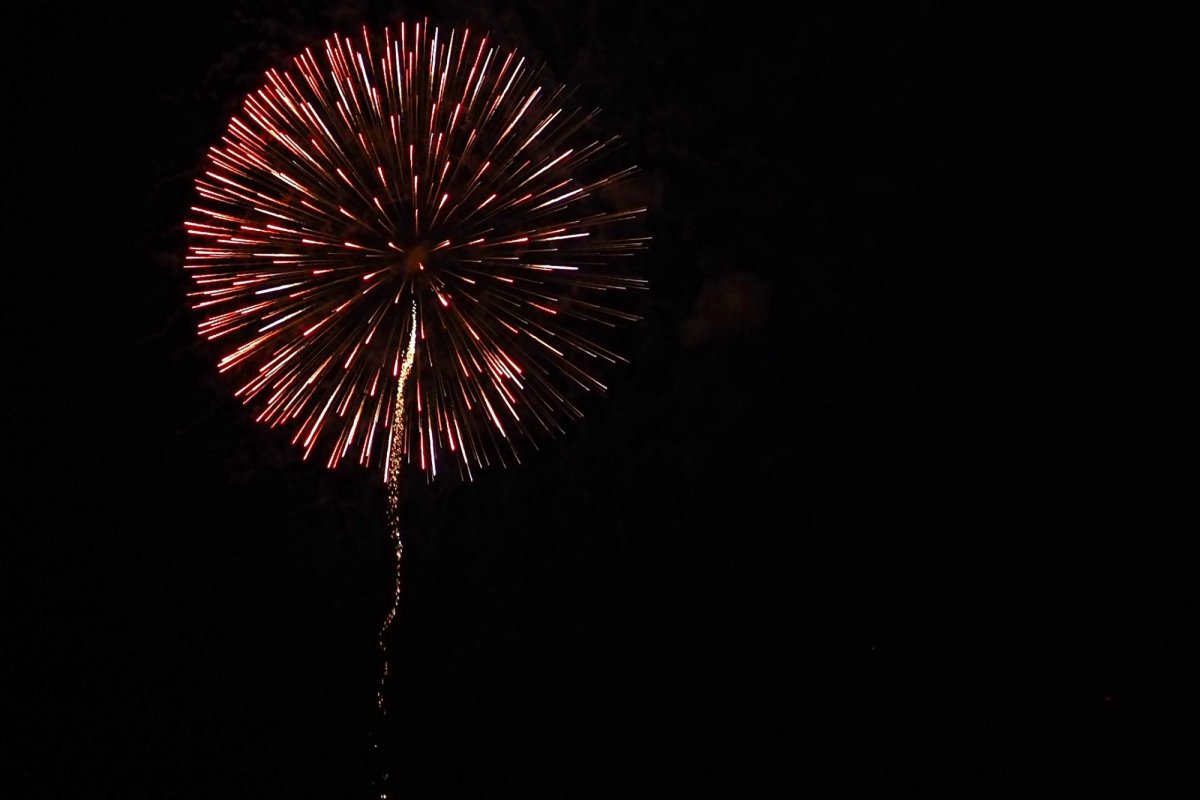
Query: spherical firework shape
x,y
413,193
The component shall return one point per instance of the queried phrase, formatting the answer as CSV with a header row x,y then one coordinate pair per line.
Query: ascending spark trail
x,y
394,460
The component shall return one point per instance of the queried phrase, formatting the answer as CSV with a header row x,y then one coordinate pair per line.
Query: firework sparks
x,y
405,247
393,512
411,202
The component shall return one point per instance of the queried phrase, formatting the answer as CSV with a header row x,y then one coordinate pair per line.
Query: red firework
x,y
422,197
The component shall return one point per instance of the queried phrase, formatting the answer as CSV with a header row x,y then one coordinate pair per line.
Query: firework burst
x,y
406,246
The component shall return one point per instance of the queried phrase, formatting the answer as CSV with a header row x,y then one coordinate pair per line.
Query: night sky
x,y
855,514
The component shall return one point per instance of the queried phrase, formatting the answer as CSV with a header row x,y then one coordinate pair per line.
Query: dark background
x,y
857,512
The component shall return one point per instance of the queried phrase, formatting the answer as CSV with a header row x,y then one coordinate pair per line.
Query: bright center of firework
x,y
414,260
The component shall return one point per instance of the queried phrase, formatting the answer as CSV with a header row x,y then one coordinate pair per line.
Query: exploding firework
x,y
408,248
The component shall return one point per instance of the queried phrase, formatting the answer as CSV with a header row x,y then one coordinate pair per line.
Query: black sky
x,y
857,512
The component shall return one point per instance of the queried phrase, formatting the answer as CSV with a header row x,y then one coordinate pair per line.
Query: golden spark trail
x,y
395,458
